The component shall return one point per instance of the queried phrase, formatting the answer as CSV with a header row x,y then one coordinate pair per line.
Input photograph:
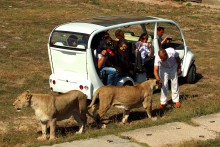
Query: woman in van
x,y
144,55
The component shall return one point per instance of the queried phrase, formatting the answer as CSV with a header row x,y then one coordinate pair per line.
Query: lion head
x,y
154,83
23,100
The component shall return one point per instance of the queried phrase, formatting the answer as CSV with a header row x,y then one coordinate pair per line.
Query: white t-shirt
x,y
171,59
100,56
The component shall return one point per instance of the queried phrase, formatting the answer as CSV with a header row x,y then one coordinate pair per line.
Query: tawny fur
x,y
126,97
49,109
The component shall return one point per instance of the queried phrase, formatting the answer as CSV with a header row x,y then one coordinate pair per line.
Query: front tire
x,y
191,76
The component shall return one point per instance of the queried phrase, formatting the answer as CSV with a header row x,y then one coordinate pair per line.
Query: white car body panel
x,y
80,27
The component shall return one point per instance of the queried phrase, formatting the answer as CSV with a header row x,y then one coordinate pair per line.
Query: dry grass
x,y
25,27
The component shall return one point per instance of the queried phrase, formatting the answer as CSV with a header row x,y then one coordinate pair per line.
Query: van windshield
x,y
69,40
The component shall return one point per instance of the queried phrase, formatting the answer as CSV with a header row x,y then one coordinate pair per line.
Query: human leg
x,y
174,85
138,62
164,89
112,75
149,67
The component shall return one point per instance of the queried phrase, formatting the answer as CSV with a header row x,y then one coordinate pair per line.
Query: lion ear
x,y
28,95
158,83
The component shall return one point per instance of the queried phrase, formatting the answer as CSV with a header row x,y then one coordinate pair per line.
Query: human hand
x,y
104,52
159,82
179,70
118,69
149,44
158,79
140,44
168,39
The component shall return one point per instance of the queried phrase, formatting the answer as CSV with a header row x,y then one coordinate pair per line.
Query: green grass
x,y
25,27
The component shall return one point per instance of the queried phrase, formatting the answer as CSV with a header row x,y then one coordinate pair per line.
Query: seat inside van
x,y
59,43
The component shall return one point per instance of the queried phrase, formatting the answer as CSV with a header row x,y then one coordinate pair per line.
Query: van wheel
x,y
191,76
128,83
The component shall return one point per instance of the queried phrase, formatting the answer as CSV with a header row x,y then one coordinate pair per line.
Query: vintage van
x,y
74,66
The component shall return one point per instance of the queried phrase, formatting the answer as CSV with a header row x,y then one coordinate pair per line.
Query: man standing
x,y
167,66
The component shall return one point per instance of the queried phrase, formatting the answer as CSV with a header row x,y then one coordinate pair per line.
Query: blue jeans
x,y
112,75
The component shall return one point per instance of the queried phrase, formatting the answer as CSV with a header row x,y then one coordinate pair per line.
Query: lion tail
x,y
95,96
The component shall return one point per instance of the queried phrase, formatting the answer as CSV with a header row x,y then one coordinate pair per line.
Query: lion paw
x,y
42,138
79,132
52,138
154,118
103,126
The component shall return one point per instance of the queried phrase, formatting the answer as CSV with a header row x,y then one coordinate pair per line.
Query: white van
x,y
73,66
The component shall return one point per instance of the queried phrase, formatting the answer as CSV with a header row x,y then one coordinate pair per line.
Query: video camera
x,y
170,39
110,48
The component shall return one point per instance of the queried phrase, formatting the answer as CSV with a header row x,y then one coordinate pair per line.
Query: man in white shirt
x,y
167,66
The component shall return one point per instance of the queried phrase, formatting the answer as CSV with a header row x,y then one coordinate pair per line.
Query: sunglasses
x,y
144,38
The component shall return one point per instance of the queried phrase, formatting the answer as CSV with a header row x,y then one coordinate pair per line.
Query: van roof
x,y
89,25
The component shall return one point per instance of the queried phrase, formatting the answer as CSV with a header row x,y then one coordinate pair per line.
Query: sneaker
x,y
162,106
178,104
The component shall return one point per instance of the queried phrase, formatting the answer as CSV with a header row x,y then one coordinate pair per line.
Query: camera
x,y
169,39
110,52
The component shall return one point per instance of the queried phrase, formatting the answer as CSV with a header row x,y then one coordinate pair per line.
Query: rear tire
x,y
128,83
191,76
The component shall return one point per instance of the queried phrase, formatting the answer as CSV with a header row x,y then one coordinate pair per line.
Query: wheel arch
x,y
125,80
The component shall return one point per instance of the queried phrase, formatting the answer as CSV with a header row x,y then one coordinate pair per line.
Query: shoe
x,y
162,106
178,104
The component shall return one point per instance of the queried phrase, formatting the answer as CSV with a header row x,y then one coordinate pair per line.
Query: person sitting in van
x,y
119,34
72,40
122,59
144,55
84,40
161,40
107,43
120,37
105,58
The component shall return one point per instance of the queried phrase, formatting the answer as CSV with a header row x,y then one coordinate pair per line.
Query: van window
x,y
69,40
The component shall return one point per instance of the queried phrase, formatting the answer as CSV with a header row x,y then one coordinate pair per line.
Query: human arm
x,y
149,44
167,39
178,65
101,58
138,45
156,73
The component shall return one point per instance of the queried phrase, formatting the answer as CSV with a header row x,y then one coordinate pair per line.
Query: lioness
x,y
49,109
126,97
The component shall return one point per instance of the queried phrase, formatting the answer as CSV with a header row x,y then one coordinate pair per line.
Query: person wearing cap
x,y
105,56
72,40
167,66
